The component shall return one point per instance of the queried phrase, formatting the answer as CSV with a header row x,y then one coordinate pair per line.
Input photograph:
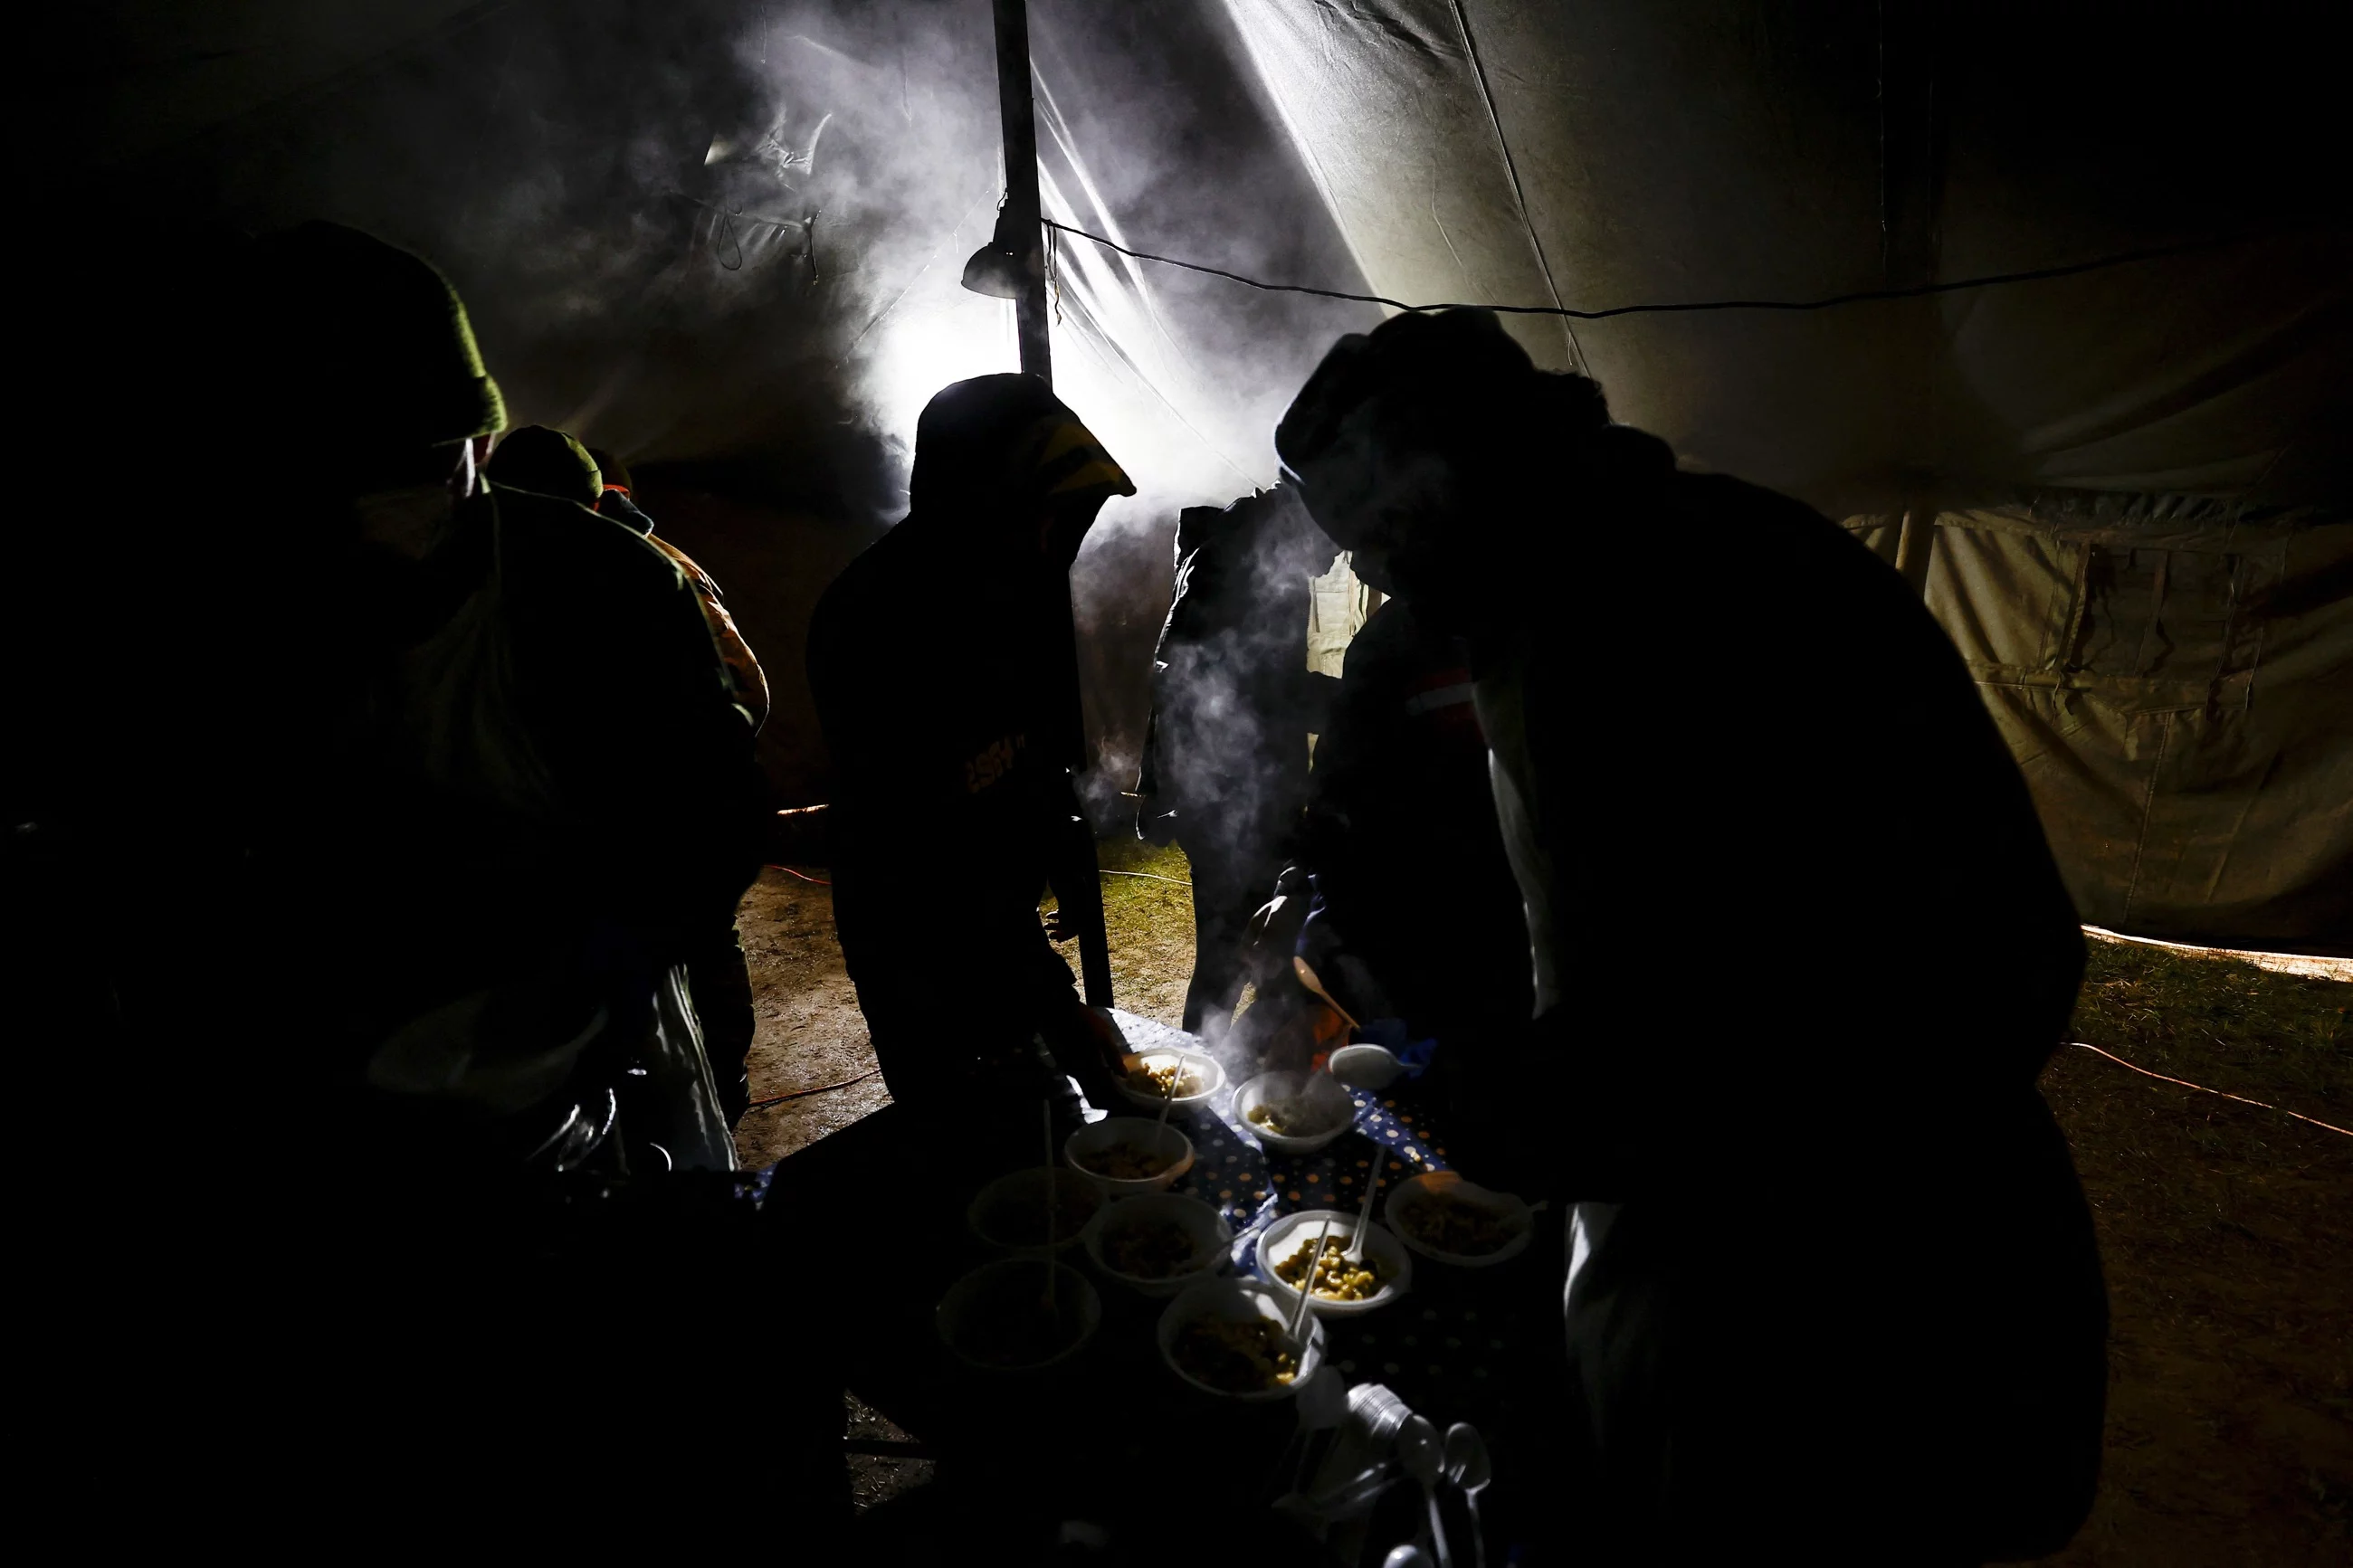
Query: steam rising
x,y
729,238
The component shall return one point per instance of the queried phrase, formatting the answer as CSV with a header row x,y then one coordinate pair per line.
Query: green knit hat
x,y
371,342
546,462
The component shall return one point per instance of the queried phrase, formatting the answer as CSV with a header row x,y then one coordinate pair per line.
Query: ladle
x,y
1419,1451
1308,978
1467,1465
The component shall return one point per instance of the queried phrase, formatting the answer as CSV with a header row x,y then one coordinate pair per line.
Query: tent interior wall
x,y
721,238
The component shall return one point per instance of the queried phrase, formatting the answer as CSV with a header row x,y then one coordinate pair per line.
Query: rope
x,y
2201,1089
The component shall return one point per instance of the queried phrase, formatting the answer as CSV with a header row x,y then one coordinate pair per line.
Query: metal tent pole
x,y
1022,216
1077,878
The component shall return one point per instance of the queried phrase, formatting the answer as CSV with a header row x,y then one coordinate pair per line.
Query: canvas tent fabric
x,y
2131,486
2176,681
723,238
1615,152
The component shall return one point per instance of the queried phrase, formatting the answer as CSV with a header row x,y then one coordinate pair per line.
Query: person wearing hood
x,y
1801,950
941,661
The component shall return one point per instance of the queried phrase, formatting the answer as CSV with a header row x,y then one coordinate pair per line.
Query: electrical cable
x,y
1149,876
2201,1089
1860,296
804,1093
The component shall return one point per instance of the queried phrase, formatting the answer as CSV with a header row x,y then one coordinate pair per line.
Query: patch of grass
x,y
2222,1022
1150,923
2226,1234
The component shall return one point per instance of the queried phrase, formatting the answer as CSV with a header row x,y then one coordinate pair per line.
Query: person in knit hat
x,y
515,718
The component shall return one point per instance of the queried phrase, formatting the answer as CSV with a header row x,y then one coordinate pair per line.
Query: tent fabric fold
x,y
2176,679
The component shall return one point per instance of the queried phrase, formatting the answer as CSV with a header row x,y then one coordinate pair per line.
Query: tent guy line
x,y
2201,1089
1860,296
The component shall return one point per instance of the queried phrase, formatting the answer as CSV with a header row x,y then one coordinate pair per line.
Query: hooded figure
x,y
941,661
1800,952
1233,702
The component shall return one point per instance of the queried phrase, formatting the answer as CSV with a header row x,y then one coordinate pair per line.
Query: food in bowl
x,y
1235,1357
1028,1210
1125,1162
1021,1329
1166,1077
1445,1223
1150,1251
1291,1118
1338,1278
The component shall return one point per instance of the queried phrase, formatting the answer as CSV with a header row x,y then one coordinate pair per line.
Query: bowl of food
x,y
1006,1317
1160,1243
1344,1286
1125,1155
1232,1338
1152,1077
1297,1113
1035,1211
1452,1221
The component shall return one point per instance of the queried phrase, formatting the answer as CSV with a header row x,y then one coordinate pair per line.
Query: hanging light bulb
x,y
995,268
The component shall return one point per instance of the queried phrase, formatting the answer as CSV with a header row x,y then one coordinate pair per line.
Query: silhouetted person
x,y
941,661
1415,915
617,499
553,463
1801,952
1224,756
488,787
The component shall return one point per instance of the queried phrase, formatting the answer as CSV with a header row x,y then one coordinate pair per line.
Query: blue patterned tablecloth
x,y
1254,1186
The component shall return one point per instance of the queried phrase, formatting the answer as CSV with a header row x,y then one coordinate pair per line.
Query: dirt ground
x,y
2226,1230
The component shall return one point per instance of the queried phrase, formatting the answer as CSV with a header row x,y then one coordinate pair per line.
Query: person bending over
x,y
1800,952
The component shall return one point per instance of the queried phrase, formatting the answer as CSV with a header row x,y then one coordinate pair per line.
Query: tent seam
x,y
1519,196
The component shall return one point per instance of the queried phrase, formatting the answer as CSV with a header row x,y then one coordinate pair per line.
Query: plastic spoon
x,y
1468,1468
1417,1449
1308,1285
1356,1253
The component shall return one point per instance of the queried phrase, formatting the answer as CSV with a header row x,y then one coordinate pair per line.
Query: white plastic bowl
x,y
1137,1132
1241,1301
1213,1077
1429,1187
1012,1285
996,1216
1202,1225
1293,1231
1322,1093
